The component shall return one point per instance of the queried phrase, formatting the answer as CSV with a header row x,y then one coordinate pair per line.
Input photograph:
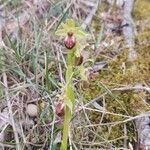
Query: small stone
x,y
32,110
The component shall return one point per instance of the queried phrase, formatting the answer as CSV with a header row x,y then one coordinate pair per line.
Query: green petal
x,y
61,32
70,23
64,26
69,26
79,33
77,53
82,71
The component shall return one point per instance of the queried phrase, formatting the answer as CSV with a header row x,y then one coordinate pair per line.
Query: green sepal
x,y
82,73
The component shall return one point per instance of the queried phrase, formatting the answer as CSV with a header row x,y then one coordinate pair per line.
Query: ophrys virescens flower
x,y
73,35
74,40
70,40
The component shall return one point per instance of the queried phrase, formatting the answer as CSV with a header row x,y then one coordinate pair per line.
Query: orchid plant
x,y
75,42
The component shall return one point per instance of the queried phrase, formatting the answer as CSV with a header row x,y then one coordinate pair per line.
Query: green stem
x,y
67,119
70,98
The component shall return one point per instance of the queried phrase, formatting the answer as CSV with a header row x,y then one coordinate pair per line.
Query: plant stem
x,y
67,119
70,98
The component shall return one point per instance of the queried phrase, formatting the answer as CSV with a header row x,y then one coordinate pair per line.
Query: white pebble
x,y
32,110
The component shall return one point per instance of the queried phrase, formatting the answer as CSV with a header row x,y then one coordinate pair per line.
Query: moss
x,y
141,9
96,21
121,72
126,102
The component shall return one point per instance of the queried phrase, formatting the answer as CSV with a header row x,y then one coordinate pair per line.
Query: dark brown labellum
x,y
59,109
70,41
78,60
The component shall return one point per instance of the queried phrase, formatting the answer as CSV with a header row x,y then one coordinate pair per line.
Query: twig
x,y
143,129
125,135
92,101
18,147
138,87
7,145
53,124
60,68
147,114
88,19
128,31
106,112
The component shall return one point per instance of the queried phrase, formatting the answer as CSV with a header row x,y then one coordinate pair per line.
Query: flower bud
x,y
70,41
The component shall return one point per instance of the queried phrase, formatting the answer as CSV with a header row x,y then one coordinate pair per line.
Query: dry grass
x,y
32,66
